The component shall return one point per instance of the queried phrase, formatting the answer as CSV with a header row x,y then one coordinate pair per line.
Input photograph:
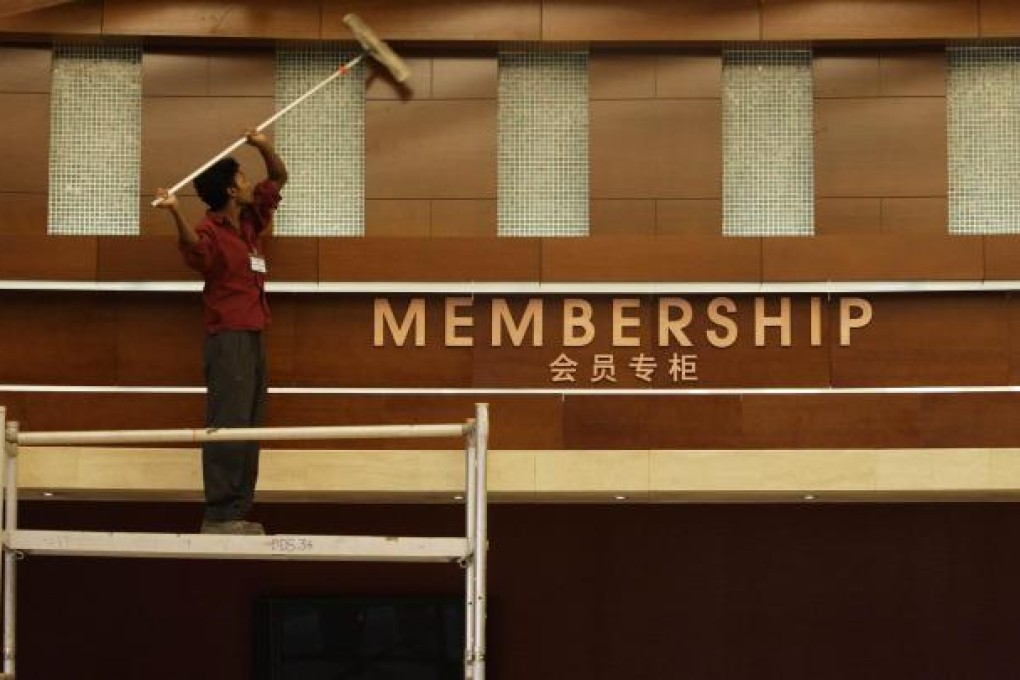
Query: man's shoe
x,y
233,526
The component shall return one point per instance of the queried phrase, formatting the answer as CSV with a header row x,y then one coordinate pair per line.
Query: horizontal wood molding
x,y
602,21
698,258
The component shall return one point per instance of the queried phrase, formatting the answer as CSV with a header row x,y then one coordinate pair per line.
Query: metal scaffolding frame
x,y
469,551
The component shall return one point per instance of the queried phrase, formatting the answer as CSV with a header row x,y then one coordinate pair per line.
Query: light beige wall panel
x,y
650,20
297,19
438,19
397,218
24,137
881,147
847,216
838,19
430,149
592,471
656,149
25,69
467,77
476,218
922,216
688,76
621,76
622,218
689,217
181,133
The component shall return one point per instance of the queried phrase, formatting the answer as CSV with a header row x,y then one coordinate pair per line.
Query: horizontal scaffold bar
x,y
241,434
227,547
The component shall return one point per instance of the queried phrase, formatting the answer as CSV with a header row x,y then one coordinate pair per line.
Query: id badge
x,y
258,264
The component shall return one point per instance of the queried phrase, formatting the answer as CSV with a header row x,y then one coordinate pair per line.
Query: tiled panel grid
x,y
983,106
322,140
543,142
95,139
768,142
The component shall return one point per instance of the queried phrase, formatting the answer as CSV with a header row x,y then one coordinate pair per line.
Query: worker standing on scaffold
x,y
224,248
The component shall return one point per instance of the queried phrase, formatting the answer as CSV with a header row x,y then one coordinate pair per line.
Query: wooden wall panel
x,y
505,20
292,258
970,420
612,75
656,149
438,259
159,339
178,72
876,258
832,421
60,258
397,218
82,17
334,338
643,259
134,258
650,20
298,19
917,216
580,422
466,76
378,84
881,147
838,20
430,149
49,411
158,222
846,73
25,69
913,73
688,76
468,218
640,422
24,214
688,217
24,136
182,133
950,340
1002,257
622,218
198,72
847,216
999,18
63,345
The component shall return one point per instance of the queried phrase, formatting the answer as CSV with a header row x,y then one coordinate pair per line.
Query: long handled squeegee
x,y
371,46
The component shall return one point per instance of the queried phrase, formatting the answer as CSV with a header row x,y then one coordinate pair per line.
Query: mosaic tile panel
x,y
95,140
768,143
543,142
322,140
983,108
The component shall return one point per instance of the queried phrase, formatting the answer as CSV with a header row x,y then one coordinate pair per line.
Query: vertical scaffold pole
x,y
470,520
481,533
10,525
470,454
4,536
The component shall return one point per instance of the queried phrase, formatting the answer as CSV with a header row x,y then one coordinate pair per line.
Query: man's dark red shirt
x,y
234,294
